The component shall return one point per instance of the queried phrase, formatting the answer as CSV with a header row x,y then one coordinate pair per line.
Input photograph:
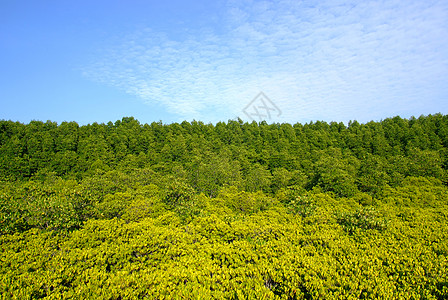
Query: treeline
x,y
252,156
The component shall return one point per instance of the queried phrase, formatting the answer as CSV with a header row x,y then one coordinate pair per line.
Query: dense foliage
x,y
234,210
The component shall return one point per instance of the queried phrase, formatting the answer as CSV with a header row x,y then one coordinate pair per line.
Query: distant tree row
x,y
252,156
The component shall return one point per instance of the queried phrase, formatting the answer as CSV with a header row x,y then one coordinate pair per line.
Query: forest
x,y
232,210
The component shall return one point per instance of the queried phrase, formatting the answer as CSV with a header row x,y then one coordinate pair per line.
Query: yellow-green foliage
x,y
239,245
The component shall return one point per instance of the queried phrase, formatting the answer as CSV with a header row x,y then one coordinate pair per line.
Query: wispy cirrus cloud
x,y
325,60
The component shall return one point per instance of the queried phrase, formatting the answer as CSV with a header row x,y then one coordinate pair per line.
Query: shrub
x,y
303,205
363,218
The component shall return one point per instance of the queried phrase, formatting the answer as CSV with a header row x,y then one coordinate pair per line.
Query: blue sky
x,y
98,61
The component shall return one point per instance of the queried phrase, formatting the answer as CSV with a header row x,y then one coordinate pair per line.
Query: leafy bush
x,y
304,206
243,202
178,192
141,207
416,192
114,205
265,255
364,218
60,205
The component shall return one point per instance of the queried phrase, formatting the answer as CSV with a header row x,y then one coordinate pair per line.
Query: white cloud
x,y
315,60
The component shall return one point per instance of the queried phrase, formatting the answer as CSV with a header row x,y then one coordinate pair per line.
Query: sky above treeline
x,y
279,61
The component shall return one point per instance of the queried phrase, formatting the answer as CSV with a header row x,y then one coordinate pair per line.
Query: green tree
x,y
336,174
258,178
